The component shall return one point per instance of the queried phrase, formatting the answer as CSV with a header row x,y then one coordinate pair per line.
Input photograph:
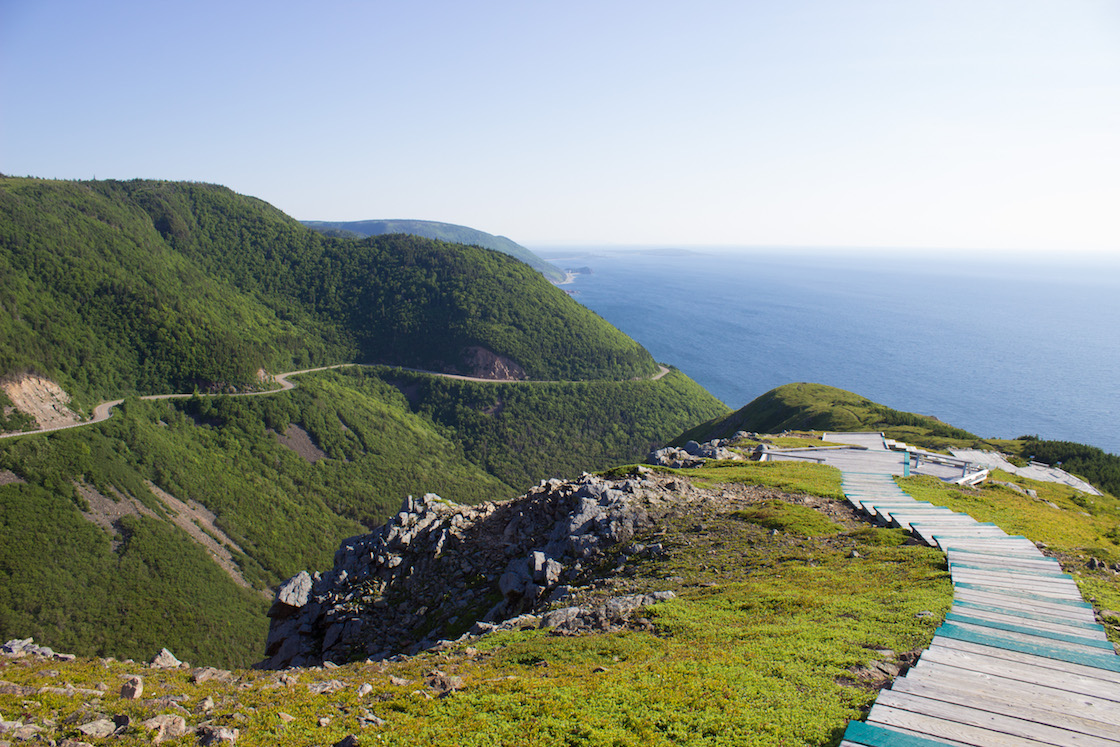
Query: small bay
x,y
1000,347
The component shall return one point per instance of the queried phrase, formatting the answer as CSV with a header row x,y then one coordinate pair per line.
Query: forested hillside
x,y
444,232
113,288
168,523
116,589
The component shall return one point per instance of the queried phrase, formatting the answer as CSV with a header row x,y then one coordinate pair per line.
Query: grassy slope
x,y
444,232
758,648
285,513
818,407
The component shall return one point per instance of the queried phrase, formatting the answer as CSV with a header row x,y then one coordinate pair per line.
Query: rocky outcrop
x,y
693,454
439,571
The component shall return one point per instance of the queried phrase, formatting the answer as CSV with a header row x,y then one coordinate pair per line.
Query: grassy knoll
x,y
818,407
763,645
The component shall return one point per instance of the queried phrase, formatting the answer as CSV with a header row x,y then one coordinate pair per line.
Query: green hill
x,y
444,232
114,288
818,407
169,523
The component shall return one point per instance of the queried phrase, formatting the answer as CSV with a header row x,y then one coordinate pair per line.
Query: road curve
x,y
103,411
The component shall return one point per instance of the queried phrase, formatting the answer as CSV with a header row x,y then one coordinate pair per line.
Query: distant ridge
x,y
431,229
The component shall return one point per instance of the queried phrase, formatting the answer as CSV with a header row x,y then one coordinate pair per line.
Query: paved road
x,y
104,410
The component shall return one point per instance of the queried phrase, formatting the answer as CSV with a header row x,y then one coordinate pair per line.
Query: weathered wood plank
x,y
941,728
999,666
1021,657
1014,705
1024,595
1041,696
1061,627
1014,642
1009,602
997,722
1010,569
1084,622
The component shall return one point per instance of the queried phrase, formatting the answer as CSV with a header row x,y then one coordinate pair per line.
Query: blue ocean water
x,y
1001,348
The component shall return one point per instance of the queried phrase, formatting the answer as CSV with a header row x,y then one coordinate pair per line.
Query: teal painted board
x,y
1027,615
1109,662
1025,630
879,736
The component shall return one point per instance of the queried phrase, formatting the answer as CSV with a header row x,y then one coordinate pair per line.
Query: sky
x,y
984,125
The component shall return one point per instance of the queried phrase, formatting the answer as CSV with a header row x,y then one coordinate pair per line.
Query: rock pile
x,y
440,571
694,454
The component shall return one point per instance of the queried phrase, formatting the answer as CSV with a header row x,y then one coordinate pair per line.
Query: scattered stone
x,y
325,688
442,683
287,718
399,681
165,660
209,734
207,705
324,722
100,728
133,688
365,689
348,741
73,743
368,719
854,554
167,726
207,674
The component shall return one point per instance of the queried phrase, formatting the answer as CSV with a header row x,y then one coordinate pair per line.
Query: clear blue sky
x,y
913,123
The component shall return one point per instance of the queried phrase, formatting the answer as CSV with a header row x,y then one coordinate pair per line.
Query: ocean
x,y
999,347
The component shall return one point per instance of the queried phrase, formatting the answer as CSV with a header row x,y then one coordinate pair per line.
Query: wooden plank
x,y
1003,547
976,556
941,728
1015,642
1008,565
1020,657
1063,627
1024,595
1061,591
870,735
1016,570
990,578
1039,696
1017,605
977,663
1002,723
1028,630
1009,704
977,607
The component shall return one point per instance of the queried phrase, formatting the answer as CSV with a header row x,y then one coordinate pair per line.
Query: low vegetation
x,y
771,641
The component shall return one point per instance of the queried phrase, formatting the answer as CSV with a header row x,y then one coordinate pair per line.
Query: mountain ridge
x,y
443,231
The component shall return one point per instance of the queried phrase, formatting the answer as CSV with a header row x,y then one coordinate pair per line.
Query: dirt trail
x,y
104,410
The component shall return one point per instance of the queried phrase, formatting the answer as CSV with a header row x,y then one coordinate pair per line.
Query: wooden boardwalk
x,y
1019,660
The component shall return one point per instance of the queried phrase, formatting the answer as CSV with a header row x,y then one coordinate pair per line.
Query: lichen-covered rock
x,y
439,569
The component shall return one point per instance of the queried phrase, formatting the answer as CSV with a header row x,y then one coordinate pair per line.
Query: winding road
x,y
102,411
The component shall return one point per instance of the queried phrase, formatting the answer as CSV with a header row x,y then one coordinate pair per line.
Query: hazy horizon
x,y
988,127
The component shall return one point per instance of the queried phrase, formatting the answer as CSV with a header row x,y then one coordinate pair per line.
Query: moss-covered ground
x,y
782,599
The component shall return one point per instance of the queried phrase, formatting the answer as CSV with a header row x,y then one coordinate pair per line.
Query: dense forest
x,y
431,229
113,288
